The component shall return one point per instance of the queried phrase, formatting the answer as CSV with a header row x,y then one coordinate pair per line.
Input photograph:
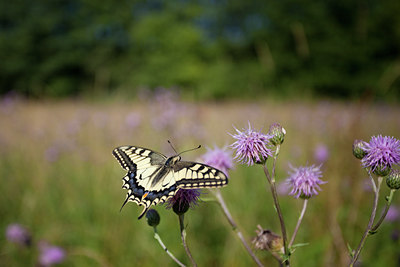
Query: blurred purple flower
x,y
218,158
305,181
321,153
165,107
52,153
50,255
393,214
382,153
282,188
132,120
183,200
251,146
18,234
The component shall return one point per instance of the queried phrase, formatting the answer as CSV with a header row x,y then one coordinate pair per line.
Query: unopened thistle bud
x,y
359,149
277,133
152,217
393,180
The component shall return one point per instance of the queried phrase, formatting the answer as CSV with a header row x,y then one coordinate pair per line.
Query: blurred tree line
x,y
210,49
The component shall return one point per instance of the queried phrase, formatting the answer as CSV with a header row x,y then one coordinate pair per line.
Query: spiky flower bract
x,y
251,146
183,200
218,158
382,153
359,149
277,133
393,180
305,181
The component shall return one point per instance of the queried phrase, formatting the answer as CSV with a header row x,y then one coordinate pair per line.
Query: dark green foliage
x,y
211,49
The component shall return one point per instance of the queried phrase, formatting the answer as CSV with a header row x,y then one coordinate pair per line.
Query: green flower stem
x,y
229,217
278,210
387,206
183,236
298,222
370,223
158,238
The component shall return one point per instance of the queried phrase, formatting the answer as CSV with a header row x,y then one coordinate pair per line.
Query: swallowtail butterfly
x,y
153,178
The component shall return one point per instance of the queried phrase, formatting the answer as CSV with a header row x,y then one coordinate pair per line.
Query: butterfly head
x,y
171,161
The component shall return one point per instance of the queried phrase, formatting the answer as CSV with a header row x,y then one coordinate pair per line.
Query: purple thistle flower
x,y
18,234
382,153
218,158
50,255
251,146
183,200
305,181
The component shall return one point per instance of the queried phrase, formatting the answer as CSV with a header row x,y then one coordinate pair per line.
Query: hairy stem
x,y
158,238
183,236
370,223
278,210
234,226
298,222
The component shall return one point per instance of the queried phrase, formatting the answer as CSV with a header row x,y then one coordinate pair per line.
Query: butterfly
x,y
153,178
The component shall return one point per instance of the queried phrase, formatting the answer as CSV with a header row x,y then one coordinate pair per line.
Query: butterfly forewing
x,y
152,178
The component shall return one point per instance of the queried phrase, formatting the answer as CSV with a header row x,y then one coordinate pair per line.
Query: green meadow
x,y
60,181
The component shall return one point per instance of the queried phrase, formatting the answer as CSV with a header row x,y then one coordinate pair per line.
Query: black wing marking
x,y
136,192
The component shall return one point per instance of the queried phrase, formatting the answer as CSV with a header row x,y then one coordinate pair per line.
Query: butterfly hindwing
x,y
190,175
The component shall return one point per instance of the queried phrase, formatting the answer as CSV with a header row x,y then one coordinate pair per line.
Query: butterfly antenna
x,y
169,142
189,150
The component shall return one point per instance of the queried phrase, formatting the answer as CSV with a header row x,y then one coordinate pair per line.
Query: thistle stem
x,y
370,223
158,238
183,236
298,222
229,217
387,206
278,210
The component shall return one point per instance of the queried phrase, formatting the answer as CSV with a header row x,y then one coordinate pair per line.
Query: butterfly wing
x,y
189,175
147,180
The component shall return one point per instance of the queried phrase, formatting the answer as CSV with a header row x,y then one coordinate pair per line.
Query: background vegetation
x,y
60,181
79,78
210,49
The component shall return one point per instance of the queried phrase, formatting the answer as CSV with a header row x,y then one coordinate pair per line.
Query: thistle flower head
x,y
18,234
251,146
305,181
183,200
382,153
218,158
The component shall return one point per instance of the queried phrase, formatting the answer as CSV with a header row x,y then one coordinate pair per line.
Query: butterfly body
x,y
153,178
